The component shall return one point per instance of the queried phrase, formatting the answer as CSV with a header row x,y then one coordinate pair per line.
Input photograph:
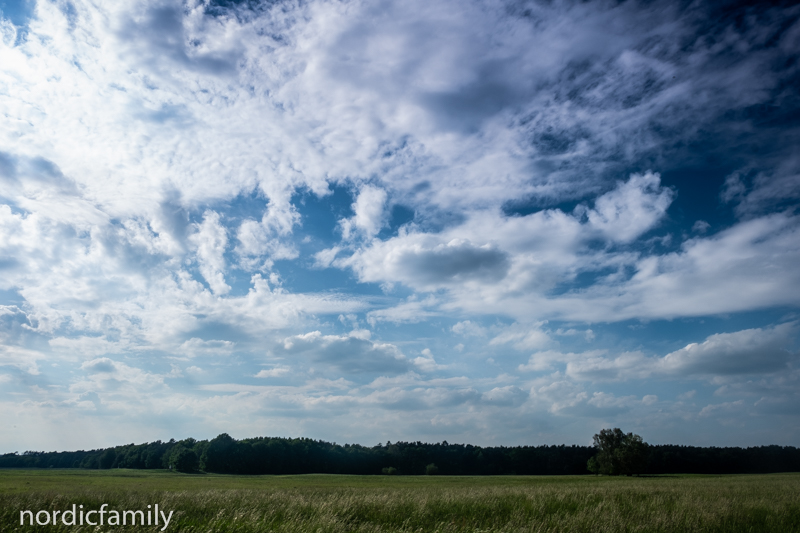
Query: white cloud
x,y
511,265
757,351
421,262
198,347
587,334
411,311
631,209
746,267
598,368
22,358
743,268
649,399
275,372
559,395
688,395
426,361
607,401
467,328
750,351
524,337
262,243
324,258
548,359
86,347
117,381
370,215
349,354
210,241
507,395
734,409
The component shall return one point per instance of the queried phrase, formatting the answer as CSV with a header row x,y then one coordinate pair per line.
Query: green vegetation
x,y
618,453
183,459
331,503
269,455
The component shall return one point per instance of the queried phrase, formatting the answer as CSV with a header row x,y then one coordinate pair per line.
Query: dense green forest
x,y
265,455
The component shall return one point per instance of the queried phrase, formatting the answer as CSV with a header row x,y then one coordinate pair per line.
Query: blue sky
x,y
489,222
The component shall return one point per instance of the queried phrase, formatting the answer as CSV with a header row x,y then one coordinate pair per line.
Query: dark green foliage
x,y
389,471
183,459
265,455
618,453
220,455
108,457
431,470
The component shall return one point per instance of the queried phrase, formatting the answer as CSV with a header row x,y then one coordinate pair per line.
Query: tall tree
x,y
618,453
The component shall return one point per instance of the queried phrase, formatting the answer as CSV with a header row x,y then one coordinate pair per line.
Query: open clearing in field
x,y
328,503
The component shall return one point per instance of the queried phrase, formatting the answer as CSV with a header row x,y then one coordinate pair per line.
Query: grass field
x,y
325,503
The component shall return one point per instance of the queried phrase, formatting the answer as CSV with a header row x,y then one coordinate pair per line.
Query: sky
x,y
481,221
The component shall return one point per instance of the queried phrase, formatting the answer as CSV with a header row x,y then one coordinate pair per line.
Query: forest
x,y
271,455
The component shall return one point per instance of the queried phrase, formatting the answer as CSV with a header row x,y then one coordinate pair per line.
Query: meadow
x,y
334,503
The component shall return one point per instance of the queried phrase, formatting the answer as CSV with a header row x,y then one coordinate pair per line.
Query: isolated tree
x,y
618,453
431,470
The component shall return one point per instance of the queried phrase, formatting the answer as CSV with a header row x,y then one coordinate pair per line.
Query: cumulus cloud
x,y
516,265
370,215
196,347
756,351
631,209
750,351
262,243
745,267
349,354
421,262
103,364
468,328
116,379
508,395
426,361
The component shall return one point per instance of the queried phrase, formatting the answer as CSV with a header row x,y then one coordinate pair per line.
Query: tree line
x,y
270,455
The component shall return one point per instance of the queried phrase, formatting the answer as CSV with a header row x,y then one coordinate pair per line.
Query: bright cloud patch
x,y
350,354
752,351
631,209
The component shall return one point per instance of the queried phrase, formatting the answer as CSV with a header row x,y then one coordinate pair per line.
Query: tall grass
x,y
334,504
